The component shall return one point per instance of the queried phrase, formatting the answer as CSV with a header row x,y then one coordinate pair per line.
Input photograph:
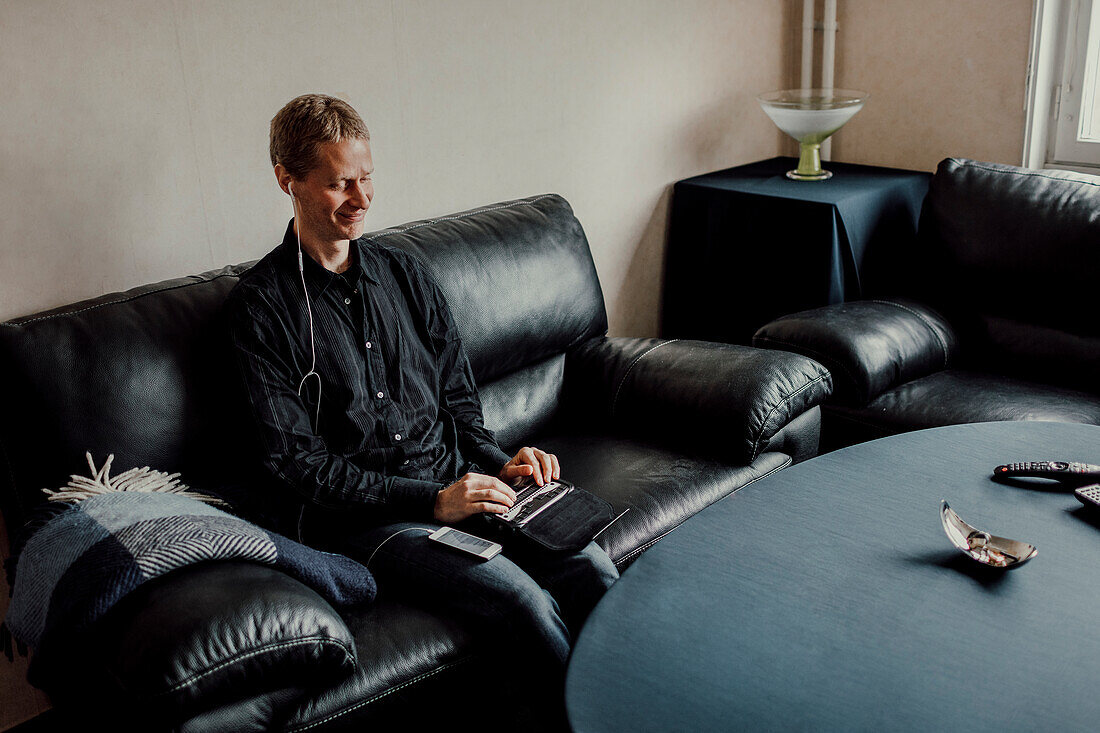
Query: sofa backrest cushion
x,y
145,375
518,276
1011,256
148,375
522,287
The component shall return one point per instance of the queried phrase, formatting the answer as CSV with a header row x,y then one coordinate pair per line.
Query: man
x,y
369,418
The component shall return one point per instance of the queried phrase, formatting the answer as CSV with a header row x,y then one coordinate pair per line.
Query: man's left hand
x,y
531,462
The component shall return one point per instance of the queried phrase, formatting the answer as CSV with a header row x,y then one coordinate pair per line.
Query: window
x,y
1063,126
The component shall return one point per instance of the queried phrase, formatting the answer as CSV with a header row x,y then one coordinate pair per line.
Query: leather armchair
x,y
992,317
660,429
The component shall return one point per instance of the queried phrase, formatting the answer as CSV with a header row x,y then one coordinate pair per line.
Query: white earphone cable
x,y
309,312
425,530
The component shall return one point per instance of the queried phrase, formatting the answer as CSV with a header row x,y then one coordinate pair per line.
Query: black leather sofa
x,y
662,428
994,315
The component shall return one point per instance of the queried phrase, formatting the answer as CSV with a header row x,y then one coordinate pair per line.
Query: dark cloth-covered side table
x,y
747,244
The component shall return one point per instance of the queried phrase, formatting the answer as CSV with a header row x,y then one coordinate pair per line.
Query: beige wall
x,y
946,78
134,133
133,145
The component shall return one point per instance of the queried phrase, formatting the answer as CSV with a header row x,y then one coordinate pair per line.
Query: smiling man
x,y
370,423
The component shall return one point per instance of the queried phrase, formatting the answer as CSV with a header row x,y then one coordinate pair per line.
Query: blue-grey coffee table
x,y
827,597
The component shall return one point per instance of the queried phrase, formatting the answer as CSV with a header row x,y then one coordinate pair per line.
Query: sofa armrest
x,y
708,398
870,346
210,634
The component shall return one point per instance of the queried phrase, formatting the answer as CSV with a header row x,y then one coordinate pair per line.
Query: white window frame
x,y
1059,52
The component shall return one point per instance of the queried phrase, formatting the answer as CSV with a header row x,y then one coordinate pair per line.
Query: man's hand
x,y
538,464
472,494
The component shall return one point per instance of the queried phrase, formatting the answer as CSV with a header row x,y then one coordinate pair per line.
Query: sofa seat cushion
x,y
954,396
413,665
660,488
403,653
200,636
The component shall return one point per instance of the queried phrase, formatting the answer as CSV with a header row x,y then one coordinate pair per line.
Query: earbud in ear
x,y
290,188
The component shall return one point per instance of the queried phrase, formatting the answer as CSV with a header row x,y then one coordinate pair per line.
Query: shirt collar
x,y
320,278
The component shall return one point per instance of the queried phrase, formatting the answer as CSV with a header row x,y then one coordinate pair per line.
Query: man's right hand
x,y
472,494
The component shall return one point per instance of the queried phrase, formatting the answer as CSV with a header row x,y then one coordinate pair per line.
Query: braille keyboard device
x,y
533,500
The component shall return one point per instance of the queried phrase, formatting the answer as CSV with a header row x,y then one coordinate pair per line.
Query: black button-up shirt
x,y
397,414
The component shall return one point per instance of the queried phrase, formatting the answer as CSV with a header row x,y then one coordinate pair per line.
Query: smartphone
x,y
468,543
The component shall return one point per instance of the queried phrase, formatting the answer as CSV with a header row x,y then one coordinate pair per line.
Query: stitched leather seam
x,y
647,545
261,650
828,361
379,696
654,541
784,403
920,317
622,381
524,202
120,300
1025,173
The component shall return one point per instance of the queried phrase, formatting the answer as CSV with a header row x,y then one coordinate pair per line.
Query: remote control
x,y
1061,470
1089,495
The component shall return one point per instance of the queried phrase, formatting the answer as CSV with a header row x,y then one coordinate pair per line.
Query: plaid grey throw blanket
x,y
83,561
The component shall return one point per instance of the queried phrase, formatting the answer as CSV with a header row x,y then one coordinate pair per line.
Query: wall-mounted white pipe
x,y
828,50
807,44
828,62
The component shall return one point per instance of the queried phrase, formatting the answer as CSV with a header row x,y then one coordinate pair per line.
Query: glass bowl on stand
x,y
810,116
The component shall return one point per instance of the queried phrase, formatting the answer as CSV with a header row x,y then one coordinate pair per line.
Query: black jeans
x,y
533,603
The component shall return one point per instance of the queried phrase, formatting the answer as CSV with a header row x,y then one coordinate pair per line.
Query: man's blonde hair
x,y
300,127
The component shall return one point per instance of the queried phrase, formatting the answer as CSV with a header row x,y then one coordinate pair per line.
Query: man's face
x,y
333,198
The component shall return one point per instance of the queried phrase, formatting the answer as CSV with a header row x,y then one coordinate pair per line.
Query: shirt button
x,y
405,462
380,395
347,301
368,344
397,437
